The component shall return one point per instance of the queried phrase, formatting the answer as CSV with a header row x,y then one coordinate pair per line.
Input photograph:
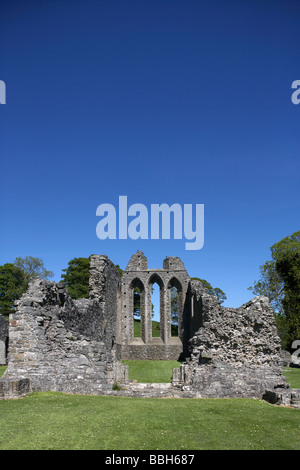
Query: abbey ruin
x,y
77,346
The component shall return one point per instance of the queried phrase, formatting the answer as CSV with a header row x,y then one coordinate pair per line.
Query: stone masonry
x,y
235,352
76,346
3,339
137,274
58,344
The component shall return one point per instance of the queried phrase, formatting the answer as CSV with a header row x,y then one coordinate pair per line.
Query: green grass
x,y
2,370
60,421
151,371
292,375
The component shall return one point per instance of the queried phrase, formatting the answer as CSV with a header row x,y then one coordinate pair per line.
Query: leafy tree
x,y
174,310
286,254
212,290
33,268
15,277
76,277
270,285
136,302
13,284
174,306
280,281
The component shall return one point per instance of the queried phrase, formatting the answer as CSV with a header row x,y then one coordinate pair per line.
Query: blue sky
x,y
163,101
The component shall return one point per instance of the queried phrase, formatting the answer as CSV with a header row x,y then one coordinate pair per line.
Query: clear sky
x,y
164,101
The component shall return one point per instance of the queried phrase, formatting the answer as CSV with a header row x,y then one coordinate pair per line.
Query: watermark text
x,y
2,92
135,222
296,94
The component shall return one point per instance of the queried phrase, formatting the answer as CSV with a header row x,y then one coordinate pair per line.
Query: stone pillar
x,y
3,339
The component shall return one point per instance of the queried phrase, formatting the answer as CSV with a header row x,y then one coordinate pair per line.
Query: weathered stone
x,y
137,275
75,346
3,339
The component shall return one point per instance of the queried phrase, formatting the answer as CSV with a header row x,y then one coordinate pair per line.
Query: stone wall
x,y
105,290
75,346
235,352
3,339
59,344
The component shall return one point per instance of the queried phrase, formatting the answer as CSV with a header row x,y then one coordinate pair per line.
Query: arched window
x,y
138,308
156,306
155,310
175,305
174,310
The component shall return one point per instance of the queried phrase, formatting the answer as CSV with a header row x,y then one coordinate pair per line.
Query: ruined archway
x,y
175,307
137,308
155,279
137,276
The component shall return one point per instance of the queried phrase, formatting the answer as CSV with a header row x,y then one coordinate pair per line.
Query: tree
x,y
174,310
33,268
15,277
270,285
286,254
212,290
13,284
280,281
76,277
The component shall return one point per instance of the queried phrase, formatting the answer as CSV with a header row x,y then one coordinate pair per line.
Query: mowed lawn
x,y
61,421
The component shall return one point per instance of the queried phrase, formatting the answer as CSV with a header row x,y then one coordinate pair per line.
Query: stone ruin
x,y
3,340
76,346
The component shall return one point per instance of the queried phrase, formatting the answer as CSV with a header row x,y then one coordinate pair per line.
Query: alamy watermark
x,y
296,94
2,92
295,358
135,222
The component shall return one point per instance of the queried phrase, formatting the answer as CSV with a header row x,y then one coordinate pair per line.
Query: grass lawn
x,y
292,375
61,421
151,371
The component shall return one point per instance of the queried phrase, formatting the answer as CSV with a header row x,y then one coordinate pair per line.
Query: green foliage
x,y
116,387
280,281
174,305
76,277
137,328
33,268
286,254
270,285
212,290
15,277
13,284
292,375
136,302
120,270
